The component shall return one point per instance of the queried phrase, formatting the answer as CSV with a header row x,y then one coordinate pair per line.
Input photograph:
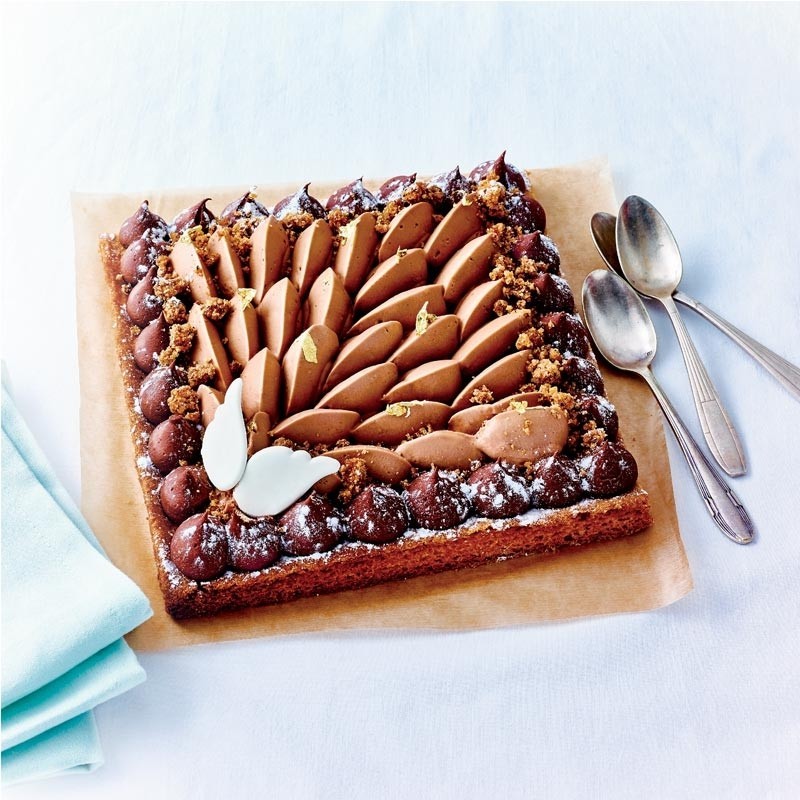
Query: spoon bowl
x,y
604,236
618,321
648,253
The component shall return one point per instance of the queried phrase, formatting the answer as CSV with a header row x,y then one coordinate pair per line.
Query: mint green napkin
x,y
73,746
65,608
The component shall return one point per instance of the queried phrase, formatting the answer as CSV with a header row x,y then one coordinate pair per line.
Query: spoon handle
x,y
784,371
723,505
718,430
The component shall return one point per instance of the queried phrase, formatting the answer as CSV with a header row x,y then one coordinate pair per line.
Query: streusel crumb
x,y
184,401
174,311
481,395
201,373
354,476
216,308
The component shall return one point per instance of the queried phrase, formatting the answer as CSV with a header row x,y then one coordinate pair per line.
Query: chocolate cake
x,y
389,384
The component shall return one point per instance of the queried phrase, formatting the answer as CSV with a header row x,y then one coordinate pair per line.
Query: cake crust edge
x,y
357,565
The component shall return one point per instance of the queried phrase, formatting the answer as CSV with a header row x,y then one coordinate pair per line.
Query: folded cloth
x,y
72,746
104,675
65,608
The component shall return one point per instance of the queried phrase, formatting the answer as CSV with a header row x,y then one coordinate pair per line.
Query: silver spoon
x,y
651,263
605,240
624,335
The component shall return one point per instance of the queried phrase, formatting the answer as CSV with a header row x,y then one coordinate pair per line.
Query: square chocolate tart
x,y
419,333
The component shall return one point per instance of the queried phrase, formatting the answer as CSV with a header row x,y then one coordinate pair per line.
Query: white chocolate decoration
x,y
224,449
277,476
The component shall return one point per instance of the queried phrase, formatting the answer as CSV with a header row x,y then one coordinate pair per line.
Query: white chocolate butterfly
x,y
272,479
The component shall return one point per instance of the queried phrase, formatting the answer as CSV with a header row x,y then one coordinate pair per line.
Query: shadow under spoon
x,y
623,333
787,374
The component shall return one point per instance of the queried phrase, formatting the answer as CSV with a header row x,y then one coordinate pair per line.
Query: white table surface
x,y
698,109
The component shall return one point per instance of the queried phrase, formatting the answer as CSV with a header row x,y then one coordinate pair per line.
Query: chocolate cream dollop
x,y
566,332
453,185
150,342
555,482
525,213
436,500
155,391
143,222
252,543
198,214
610,470
581,376
301,202
173,441
595,408
199,548
244,207
142,304
500,170
378,515
313,525
553,293
140,256
498,492
537,247
393,188
183,492
353,199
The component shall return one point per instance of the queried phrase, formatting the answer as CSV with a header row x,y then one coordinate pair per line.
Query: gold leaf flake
x,y
246,296
423,319
309,347
347,230
402,409
190,234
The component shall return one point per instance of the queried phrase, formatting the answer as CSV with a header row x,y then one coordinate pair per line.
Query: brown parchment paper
x,y
642,572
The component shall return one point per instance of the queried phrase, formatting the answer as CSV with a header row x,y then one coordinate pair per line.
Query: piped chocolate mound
x,y
500,170
419,333
301,202
199,547
453,185
183,492
174,441
142,255
353,199
556,482
252,543
437,500
156,389
142,224
610,469
245,207
378,515
197,216
497,492
394,189
313,525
